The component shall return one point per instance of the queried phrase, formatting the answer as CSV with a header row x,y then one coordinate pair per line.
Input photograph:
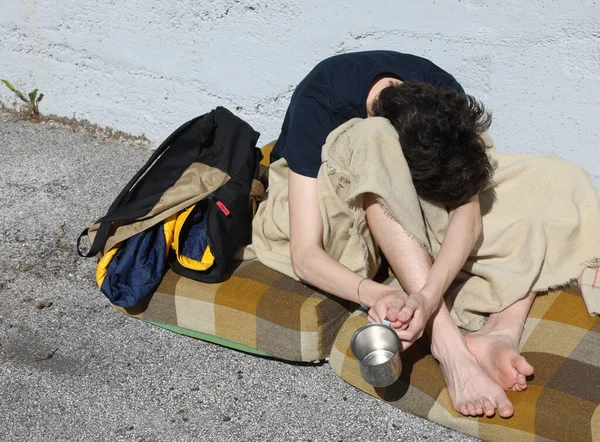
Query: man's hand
x,y
408,315
389,304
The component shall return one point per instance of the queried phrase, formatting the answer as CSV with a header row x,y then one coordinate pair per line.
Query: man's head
x,y
440,134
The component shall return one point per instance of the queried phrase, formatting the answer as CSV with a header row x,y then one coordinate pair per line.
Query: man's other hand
x,y
408,315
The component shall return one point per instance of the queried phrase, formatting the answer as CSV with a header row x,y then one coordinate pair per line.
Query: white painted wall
x,y
144,67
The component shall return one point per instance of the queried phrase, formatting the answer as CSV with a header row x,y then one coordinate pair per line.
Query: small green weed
x,y
32,100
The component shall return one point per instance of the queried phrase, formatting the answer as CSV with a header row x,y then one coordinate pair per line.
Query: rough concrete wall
x,y
146,66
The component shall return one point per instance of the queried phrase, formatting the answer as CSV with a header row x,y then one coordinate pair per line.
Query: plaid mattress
x,y
561,402
257,310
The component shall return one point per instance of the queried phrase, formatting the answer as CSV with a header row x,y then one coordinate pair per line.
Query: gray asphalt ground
x,y
74,369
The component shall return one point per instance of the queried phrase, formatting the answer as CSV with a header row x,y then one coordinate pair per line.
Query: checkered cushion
x,y
257,310
561,402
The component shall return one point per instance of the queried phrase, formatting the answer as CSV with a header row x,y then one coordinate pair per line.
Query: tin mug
x,y
377,349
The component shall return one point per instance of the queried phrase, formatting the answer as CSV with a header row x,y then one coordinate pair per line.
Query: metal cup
x,y
377,348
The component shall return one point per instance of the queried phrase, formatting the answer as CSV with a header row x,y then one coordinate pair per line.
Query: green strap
x,y
207,337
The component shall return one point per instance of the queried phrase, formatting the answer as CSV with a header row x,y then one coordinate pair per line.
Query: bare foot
x,y
472,393
498,355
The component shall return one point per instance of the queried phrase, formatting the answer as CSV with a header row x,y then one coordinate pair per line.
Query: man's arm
x,y
461,236
310,262
427,283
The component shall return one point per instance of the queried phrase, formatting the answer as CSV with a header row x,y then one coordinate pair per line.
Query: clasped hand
x,y
407,314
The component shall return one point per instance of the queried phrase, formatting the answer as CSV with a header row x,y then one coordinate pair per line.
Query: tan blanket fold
x,y
540,219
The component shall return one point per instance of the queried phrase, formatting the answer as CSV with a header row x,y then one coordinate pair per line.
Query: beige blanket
x,y
541,219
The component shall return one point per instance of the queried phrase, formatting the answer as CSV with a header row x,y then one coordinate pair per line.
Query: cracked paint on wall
x,y
145,67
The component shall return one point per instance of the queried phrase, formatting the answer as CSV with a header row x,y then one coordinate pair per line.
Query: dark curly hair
x,y
440,134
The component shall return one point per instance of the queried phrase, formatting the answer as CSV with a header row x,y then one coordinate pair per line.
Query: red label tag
x,y
224,209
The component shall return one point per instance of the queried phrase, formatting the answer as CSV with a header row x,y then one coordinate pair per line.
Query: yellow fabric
x,y
102,268
207,258
266,152
169,231
180,219
540,218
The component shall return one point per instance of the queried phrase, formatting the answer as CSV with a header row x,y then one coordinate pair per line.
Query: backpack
x,y
189,208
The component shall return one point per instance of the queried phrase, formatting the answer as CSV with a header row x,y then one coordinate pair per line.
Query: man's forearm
x,y
310,262
315,267
409,260
461,236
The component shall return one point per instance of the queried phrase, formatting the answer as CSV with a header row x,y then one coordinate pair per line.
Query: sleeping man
x,y
439,129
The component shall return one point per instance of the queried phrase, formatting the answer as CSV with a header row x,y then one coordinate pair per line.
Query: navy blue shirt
x,y
336,91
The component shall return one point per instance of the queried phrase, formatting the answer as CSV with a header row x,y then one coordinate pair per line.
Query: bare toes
x,y
462,409
489,408
478,408
521,380
522,366
505,407
471,409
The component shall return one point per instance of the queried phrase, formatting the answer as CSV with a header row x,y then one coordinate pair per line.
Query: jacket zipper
x,y
219,203
221,206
